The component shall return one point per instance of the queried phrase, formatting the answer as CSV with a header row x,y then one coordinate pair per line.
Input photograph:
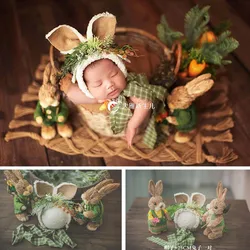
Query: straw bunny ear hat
x,y
100,28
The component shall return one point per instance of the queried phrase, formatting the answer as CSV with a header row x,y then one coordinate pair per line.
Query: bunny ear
x,y
199,86
198,198
10,176
42,188
219,189
108,189
102,26
68,190
65,38
151,187
181,198
224,192
103,183
18,174
158,188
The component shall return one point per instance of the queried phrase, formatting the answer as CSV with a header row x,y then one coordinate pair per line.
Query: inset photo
x,y
48,209
187,209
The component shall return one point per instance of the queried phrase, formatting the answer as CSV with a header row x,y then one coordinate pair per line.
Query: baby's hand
x,y
130,133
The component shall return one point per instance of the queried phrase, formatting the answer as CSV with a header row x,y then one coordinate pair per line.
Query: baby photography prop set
x,y
101,106
188,214
55,208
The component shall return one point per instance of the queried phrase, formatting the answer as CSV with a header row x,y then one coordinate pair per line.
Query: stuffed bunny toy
x,y
180,102
157,215
22,191
91,209
50,108
54,209
213,218
188,216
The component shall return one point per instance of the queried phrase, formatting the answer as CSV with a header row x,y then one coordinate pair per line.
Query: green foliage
x,y
83,50
226,44
81,178
195,25
166,34
213,53
172,209
49,201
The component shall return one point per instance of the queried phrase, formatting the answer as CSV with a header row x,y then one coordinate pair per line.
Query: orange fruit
x,y
194,68
208,37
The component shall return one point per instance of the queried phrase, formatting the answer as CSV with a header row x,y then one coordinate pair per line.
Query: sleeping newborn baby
x,y
94,72
105,81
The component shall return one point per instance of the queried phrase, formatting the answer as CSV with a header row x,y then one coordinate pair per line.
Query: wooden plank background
x,y
107,237
24,24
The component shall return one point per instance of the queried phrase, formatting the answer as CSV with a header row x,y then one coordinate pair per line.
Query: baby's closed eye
x,y
114,74
96,84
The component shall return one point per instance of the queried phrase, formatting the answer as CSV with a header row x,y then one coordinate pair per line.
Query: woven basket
x,y
98,120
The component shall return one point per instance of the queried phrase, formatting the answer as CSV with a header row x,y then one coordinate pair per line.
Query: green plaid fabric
x,y
137,86
182,238
40,236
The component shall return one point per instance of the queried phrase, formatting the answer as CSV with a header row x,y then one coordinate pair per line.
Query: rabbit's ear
x,y
11,176
199,86
18,174
198,198
103,183
219,189
181,198
102,26
68,190
151,187
87,194
158,188
42,188
107,189
65,38
224,192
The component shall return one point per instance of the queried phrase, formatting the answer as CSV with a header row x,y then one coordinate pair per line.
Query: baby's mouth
x,y
112,93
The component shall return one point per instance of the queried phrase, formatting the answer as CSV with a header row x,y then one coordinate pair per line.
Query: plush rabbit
x,y
22,191
157,215
213,218
50,108
54,209
180,102
188,216
92,207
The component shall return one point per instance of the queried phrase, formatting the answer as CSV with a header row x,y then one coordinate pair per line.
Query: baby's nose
x,y
109,84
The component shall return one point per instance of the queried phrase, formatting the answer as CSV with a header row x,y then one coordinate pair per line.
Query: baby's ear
x,y
102,25
65,38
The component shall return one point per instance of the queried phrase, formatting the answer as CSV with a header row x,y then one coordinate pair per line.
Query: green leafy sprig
x,y
172,209
83,50
166,34
195,25
49,201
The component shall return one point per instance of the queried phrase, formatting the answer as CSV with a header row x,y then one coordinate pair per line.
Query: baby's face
x,y
104,80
